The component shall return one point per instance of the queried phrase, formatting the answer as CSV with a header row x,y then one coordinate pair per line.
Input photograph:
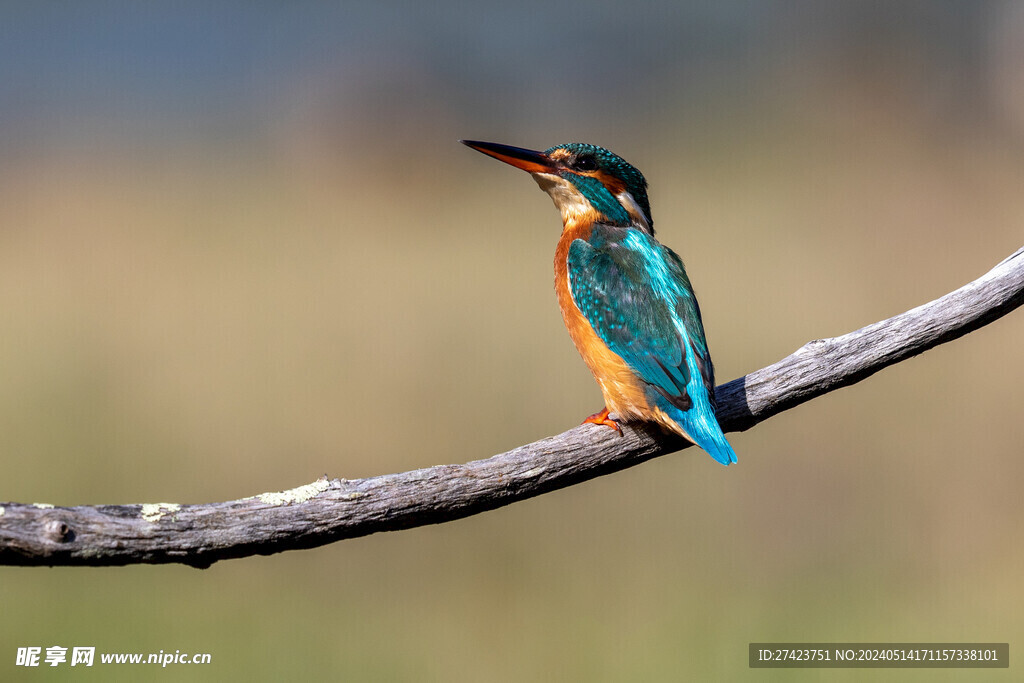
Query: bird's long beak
x,y
526,159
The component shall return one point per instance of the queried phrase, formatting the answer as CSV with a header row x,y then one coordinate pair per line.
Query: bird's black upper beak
x,y
527,159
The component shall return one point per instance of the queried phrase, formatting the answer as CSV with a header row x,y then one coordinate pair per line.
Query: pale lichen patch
x,y
42,506
154,512
299,494
531,473
2,510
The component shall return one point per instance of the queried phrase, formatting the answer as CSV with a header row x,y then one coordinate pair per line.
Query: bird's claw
x,y
602,418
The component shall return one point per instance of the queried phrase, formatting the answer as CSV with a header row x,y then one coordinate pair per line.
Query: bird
x,y
625,297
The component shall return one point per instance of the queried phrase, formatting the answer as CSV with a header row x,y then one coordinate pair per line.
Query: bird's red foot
x,y
602,418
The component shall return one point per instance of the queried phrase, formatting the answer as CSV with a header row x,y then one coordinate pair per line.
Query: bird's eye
x,y
586,163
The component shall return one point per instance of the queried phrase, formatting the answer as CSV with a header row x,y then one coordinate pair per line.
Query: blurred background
x,y
241,247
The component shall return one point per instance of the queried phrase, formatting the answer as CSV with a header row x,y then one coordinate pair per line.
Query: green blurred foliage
x,y
203,300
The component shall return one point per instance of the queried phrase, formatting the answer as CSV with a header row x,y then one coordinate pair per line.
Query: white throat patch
x,y
569,201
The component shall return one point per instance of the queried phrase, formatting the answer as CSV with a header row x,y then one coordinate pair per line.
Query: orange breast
x,y
623,393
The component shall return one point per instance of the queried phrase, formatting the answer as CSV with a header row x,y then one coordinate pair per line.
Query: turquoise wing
x,y
635,293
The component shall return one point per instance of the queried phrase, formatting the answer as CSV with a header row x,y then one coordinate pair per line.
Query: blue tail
x,y
701,425
716,446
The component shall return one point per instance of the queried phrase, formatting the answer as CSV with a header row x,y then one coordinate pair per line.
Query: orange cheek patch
x,y
614,185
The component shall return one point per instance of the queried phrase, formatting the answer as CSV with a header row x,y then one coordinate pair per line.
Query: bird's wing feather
x,y
635,293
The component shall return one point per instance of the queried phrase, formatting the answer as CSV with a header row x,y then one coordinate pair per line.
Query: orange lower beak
x,y
526,159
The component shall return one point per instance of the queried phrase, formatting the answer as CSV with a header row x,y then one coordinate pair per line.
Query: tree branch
x,y
331,510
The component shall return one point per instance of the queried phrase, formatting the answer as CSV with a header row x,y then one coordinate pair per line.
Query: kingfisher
x,y
625,297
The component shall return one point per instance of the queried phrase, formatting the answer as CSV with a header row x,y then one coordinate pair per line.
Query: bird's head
x,y
588,183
